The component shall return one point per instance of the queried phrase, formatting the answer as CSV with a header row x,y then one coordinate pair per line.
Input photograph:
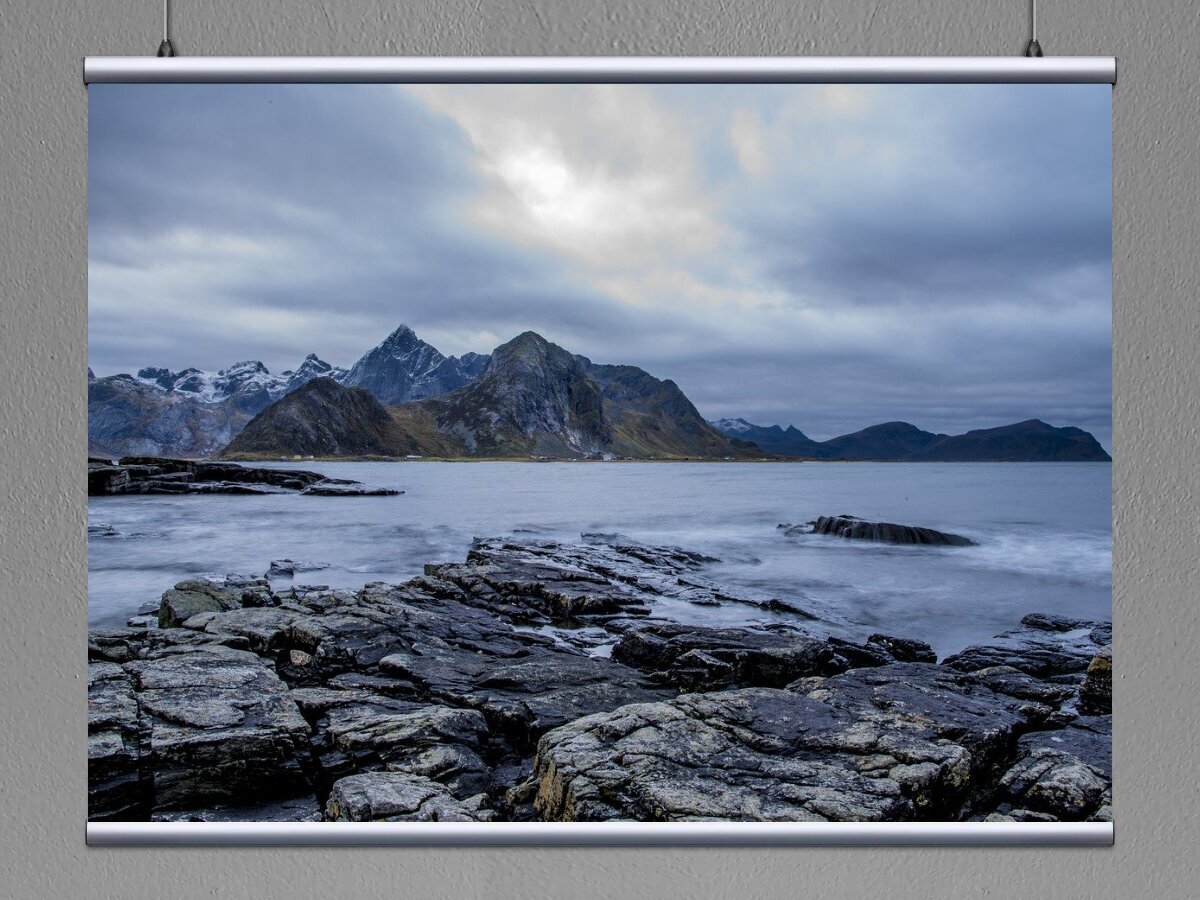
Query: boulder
x,y
155,475
904,649
694,658
1064,775
1035,650
202,595
221,729
1095,695
439,743
398,797
118,786
899,742
854,528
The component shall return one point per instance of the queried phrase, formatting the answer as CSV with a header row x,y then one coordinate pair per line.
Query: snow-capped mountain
x,y
405,368
535,398
790,441
732,426
191,412
248,382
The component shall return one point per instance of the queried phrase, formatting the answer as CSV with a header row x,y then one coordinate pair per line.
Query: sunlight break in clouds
x,y
603,174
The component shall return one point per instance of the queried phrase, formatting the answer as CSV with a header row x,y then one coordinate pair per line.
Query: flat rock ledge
x,y
154,475
534,681
856,529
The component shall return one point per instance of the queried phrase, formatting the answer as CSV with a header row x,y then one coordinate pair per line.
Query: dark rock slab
x,y
1095,694
1065,775
1035,650
542,582
901,742
704,659
854,528
222,729
427,700
904,649
297,809
440,743
208,595
155,475
399,797
118,787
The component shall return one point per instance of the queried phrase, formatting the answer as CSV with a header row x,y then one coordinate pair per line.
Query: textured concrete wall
x,y
43,333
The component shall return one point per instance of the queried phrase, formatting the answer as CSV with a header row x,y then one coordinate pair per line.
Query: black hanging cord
x,y
1033,48
166,48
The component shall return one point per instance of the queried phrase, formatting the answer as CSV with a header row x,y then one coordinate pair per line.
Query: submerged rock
x,y
339,488
854,528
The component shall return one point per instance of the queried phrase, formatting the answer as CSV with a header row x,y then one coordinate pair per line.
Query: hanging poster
x,y
712,460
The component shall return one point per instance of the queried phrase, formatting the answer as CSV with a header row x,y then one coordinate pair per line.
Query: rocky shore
x,y
536,681
156,475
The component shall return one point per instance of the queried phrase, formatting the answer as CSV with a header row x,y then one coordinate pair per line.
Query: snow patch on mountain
x,y
245,380
732,426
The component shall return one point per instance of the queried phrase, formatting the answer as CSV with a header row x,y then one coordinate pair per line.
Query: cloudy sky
x,y
825,256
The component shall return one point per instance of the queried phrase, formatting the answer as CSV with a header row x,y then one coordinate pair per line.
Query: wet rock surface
x,y
155,475
854,528
538,681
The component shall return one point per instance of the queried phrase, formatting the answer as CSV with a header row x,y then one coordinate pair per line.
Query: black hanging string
x,y
1033,48
166,48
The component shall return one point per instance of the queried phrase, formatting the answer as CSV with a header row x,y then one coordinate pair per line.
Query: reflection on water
x,y
1044,533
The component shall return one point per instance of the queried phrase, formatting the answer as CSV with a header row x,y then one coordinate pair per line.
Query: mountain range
x,y
533,398
1030,441
529,397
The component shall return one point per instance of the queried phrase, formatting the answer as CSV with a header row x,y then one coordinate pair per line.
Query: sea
x,y
1043,533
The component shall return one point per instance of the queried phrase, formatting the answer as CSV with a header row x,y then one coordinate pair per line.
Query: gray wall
x,y
43,329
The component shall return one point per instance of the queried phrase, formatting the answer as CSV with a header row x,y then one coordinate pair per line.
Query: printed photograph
x,y
599,453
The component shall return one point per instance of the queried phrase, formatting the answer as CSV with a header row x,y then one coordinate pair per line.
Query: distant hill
x,y
1030,441
790,441
891,440
533,398
321,418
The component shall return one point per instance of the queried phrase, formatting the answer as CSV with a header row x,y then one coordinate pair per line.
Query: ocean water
x,y
1044,533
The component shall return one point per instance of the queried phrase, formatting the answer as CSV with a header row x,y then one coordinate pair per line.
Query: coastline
x,y
445,698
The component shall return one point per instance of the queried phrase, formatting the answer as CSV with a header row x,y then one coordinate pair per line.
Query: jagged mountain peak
x,y
404,368
402,339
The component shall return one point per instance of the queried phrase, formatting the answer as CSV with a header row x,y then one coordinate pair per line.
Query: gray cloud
x,y
829,257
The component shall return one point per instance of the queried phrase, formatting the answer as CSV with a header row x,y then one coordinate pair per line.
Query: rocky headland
x,y
155,475
535,681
